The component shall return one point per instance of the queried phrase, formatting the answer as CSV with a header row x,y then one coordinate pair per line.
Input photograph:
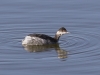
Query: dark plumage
x,y
43,36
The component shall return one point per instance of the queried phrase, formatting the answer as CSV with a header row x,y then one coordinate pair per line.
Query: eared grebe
x,y
42,39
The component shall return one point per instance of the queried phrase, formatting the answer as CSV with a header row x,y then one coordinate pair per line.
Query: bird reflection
x,y
62,54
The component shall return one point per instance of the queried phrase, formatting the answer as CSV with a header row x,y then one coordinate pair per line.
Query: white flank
x,y
34,41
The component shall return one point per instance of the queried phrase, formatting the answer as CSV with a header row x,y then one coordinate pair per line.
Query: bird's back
x,y
38,39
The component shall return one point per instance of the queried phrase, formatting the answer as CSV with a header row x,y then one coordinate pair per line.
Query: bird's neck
x,y
57,37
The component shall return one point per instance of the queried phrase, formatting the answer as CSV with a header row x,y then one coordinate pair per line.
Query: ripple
x,y
77,45
77,42
80,49
84,45
77,49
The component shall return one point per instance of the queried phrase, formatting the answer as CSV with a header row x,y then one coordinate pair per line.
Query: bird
x,y
42,39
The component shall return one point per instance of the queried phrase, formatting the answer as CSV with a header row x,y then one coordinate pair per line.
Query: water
x,y
77,52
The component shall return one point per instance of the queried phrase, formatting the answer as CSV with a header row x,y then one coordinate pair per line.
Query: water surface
x,y
77,53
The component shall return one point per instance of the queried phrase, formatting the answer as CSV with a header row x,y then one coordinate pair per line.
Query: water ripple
x,y
85,45
80,48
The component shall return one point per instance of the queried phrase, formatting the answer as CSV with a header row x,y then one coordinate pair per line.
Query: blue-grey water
x,y
77,53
